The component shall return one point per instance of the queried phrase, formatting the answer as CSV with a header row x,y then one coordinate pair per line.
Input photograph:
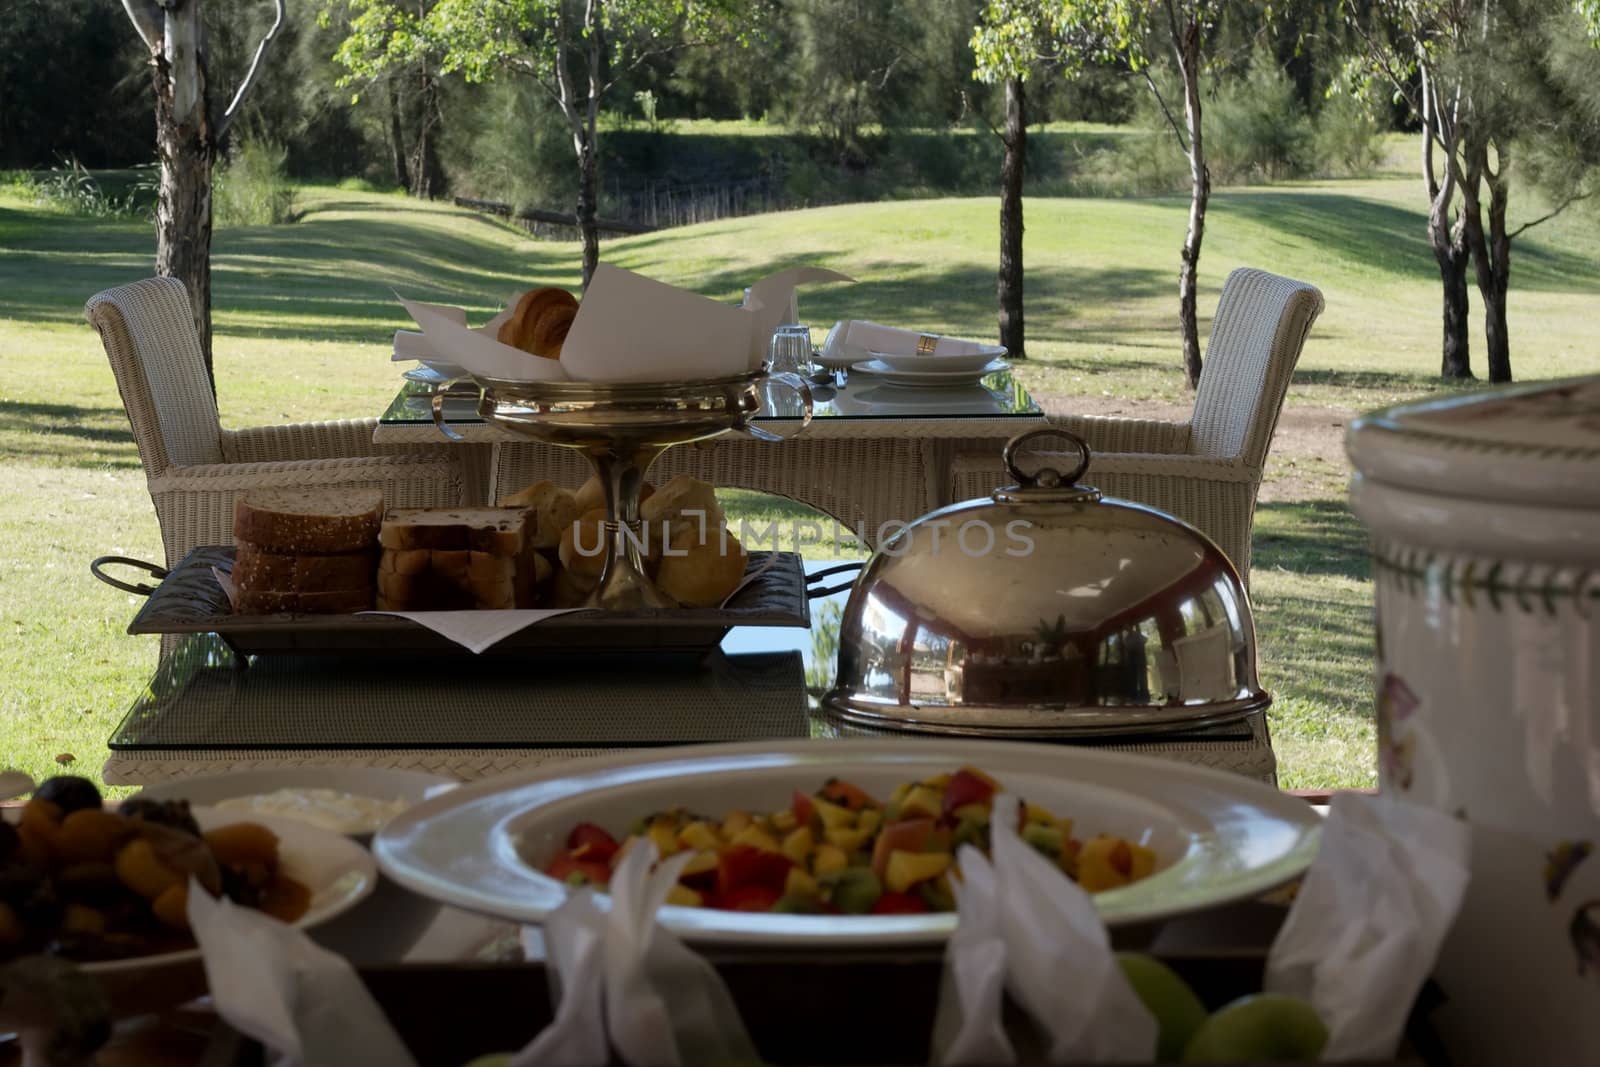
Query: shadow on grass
x,y
1311,537
1392,238
67,435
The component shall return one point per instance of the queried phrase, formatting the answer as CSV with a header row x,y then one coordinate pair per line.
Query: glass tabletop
x,y
862,396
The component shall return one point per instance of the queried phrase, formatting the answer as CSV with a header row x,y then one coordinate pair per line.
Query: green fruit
x,y
493,1059
797,904
856,890
1264,1028
1178,1011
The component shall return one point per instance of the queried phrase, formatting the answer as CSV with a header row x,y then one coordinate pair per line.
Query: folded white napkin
x,y
476,631
630,328
271,982
1369,918
858,338
1056,958
410,345
625,983
969,1027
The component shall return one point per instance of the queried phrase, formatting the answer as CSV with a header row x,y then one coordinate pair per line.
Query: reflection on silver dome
x,y
1047,610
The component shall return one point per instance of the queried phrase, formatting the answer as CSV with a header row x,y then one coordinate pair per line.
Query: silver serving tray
x,y
189,601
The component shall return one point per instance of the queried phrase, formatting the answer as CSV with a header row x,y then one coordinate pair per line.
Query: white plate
x,y
380,783
434,373
894,376
339,873
1218,837
928,362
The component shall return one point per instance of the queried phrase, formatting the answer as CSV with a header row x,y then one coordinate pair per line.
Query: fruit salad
x,y
840,850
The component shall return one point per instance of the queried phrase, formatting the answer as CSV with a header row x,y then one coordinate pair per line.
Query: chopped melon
x,y
799,883
665,836
784,821
870,819
846,838
684,897
734,822
921,801
829,858
699,835
906,869
704,860
833,814
798,845
755,837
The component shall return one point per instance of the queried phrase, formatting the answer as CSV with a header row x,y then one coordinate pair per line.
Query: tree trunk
x,y
1456,362
1199,197
427,175
397,140
588,185
1009,286
186,151
1491,259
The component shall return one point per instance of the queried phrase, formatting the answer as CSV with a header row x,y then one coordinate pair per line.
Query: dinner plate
x,y
896,376
1218,837
919,362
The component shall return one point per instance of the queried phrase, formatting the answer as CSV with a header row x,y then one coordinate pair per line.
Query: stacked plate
x,y
925,369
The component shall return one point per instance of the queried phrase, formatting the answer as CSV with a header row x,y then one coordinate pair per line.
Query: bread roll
x,y
701,573
684,503
583,544
571,590
551,508
592,495
540,321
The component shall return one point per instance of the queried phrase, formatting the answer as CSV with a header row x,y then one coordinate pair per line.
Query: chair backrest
x,y
1256,337
148,331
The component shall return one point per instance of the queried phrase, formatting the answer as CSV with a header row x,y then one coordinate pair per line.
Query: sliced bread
x,y
304,521
338,602
256,569
498,531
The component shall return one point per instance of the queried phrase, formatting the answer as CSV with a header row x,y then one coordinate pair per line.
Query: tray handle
x,y
95,568
813,593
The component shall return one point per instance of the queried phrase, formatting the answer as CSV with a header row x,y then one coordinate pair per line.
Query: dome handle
x,y
1046,477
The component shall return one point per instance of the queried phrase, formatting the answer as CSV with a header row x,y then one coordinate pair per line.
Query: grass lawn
x,y
304,311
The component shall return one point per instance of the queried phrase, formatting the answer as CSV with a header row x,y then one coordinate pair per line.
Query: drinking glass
x,y
789,351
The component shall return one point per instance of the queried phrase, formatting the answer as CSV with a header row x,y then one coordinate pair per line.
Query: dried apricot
x,y
285,899
142,871
91,835
10,926
172,906
240,843
80,919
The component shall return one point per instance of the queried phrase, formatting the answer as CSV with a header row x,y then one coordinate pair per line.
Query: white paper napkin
x,y
1366,926
476,631
410,345
969,1027
271,982
858,339
627,984
630,328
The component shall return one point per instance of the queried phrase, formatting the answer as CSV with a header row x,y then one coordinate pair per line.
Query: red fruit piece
x,y
564,866
741,866
747,898
592,843
967,787
899,904
803,809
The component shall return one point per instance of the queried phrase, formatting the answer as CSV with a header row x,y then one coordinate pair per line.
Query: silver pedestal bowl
x,y
622,428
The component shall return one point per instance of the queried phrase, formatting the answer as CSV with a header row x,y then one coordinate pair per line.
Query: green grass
x,y
304,313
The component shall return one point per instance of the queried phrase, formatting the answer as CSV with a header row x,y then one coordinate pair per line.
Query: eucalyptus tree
x,y
1011,45
574,50
191,124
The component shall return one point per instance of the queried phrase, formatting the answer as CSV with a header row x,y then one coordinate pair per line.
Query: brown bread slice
x,y
257,570
306,521
338,602
405,560
499,531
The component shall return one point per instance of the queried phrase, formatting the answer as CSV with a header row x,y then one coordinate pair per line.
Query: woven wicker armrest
x,y
339,439
1187,468
440,472
1105,433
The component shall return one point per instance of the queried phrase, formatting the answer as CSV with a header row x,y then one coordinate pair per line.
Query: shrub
x,y
254,188
1349,136
69,187
1256,128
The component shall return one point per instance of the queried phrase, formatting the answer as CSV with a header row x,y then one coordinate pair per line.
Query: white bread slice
x,y
500,531
405,560
303,521
551,509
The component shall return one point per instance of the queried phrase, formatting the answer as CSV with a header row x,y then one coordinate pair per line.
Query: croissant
x,y
540,322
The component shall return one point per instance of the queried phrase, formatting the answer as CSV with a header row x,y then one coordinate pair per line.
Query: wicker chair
x,y
195,468
1206,471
